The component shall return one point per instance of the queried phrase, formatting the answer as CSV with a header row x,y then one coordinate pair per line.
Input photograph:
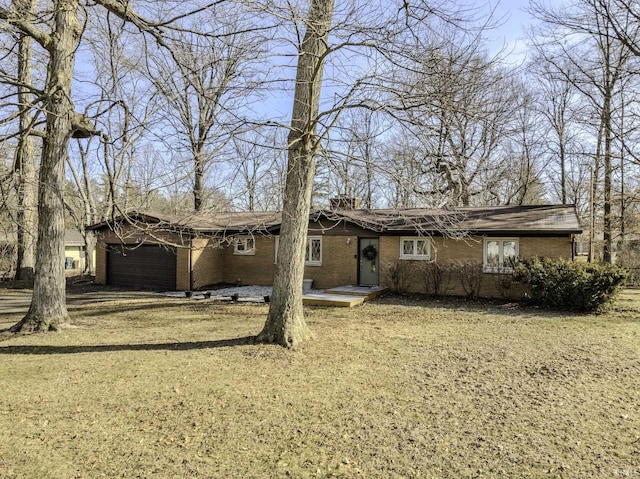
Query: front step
x,y
368,292
343,296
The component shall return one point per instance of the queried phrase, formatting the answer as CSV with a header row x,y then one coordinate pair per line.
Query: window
x,y
244,245
313,255
415,248
582,248
314,251
500,255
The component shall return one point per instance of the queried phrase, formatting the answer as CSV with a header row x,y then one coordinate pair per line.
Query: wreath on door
x,y
370,252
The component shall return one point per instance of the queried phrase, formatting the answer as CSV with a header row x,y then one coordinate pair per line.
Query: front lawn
x,y
396,388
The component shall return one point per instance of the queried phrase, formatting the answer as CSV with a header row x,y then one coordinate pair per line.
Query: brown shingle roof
x,y
491,219
537,219
226,222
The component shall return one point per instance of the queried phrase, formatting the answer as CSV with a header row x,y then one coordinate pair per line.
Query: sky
x,y
512,33
509,37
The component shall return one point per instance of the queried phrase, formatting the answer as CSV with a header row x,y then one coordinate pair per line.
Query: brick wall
x,y
339,263
470,249
207,262
101,263
183,276
547,247
251,269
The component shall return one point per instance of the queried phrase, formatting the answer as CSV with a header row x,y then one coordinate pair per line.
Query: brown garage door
x,y
143,267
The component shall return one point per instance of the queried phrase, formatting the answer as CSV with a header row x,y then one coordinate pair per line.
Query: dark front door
x,y
369,261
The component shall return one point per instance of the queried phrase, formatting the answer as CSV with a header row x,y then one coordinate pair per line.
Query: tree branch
x,y
26,27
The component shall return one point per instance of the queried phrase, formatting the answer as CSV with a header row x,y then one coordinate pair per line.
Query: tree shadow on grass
x,y
107,348
90,310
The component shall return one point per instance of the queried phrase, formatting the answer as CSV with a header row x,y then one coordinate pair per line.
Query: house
x,y
74,253
344,245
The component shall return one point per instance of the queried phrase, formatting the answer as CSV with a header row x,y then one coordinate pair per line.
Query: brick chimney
x,y
344,202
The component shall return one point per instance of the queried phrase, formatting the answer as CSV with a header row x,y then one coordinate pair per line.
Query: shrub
x,y
436,277
503,283
470,276
399,275
628,256
569,285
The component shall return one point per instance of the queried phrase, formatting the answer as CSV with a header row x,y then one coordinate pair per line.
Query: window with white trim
x,y
245,245
313,256
582,248
417,247
500,254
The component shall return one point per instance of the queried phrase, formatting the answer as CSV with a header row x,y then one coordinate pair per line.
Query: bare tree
x,y
60,40
48,308
387,40
572,38
403,171
623,16
285,324
257,177
467,102
557,104
84,210
354,153
524,157
214,80
25,167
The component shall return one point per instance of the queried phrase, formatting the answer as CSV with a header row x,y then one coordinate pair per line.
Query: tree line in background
x,y
181,107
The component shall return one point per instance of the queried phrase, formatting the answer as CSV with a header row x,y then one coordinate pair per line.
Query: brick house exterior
x,y
241,248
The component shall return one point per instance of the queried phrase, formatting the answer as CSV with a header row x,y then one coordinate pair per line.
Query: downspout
x,y
190,264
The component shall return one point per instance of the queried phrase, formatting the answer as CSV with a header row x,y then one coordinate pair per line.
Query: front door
x,y
369,261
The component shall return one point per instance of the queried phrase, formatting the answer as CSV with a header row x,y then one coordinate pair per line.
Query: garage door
x,y
143,267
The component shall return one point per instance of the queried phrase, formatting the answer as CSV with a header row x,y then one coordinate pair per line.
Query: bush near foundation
x,y
569,285
400,275
469,275
435,277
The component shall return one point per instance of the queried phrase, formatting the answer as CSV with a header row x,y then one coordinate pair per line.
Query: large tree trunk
x,y
285,324
48,307
25,162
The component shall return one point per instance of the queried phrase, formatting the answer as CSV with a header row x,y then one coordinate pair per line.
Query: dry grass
x,y
397,388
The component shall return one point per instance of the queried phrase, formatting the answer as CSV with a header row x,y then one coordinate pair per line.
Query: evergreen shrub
x,y
570,285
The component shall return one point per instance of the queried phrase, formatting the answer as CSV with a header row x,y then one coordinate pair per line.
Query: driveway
x,y
17,301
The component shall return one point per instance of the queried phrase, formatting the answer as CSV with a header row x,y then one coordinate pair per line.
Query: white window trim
x,y
238,240
307,263
415,256
582,248
308,253
500,269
